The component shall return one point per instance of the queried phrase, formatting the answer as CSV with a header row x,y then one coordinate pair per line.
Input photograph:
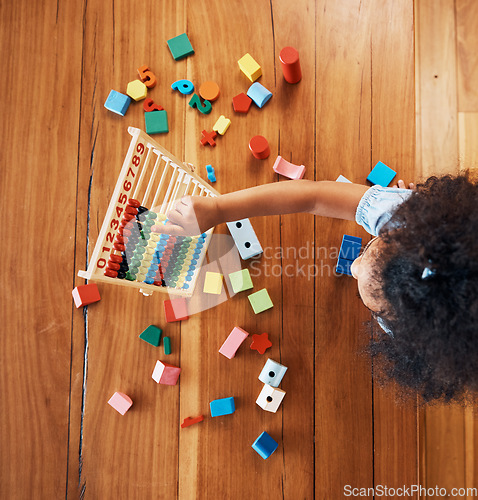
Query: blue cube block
x,y
350,247
259,94
223,406
381,175
117,102
265,445
343,267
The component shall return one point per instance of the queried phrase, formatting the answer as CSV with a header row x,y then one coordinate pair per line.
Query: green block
x,y
167,345
156,122
260,301
241,280
180,46
152,335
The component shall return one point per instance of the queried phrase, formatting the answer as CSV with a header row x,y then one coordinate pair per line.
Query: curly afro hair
x,y
434,318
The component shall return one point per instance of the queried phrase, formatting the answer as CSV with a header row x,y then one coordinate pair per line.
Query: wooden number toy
x,y
184,86
128,251
195,102
149,105
147,76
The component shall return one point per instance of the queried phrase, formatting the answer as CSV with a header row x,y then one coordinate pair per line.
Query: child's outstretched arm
x,y
195,214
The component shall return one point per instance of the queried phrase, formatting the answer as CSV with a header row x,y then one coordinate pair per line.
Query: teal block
x,y
117,103
221,407
260,301
167,345
152,335
156,122
241,280
265,445
180,47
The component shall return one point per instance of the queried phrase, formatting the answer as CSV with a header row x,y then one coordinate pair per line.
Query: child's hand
x,y
401,185
190,216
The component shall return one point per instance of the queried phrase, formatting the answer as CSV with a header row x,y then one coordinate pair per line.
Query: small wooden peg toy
x,y
188,421
290,63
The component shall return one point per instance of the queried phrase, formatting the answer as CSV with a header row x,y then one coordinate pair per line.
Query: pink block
x,y
166,374
120,402
232,343
287,169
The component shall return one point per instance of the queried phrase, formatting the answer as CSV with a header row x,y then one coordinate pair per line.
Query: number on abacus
x,y
116,224
140,148
101,263
122,199
135,161
110,236
119,210
127,185
106,249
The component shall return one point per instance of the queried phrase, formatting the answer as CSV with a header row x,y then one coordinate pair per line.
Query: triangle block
x,y
152,335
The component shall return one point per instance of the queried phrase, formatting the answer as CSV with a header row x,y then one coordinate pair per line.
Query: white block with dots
x,y
272,373
270,398
245,238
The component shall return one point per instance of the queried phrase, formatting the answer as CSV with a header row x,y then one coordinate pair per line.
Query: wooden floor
x,y
61,155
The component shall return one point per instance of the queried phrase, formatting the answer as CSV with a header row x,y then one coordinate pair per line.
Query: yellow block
x,y
250,67
137,90
221,125
213,283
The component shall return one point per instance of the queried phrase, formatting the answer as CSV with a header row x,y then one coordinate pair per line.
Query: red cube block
x,y
85,294
175,310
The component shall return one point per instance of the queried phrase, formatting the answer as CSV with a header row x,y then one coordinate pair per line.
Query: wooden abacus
x,y
127,252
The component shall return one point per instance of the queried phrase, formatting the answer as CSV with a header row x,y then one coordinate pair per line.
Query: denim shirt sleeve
x,y
377,206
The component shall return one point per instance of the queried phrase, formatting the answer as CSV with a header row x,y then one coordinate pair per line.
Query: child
x,y
418,276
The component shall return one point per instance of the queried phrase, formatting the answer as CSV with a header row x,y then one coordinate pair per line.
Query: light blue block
x,y
211,174
265,445
245,238
117,102
223,406
381,175
211,177
272,373
259,94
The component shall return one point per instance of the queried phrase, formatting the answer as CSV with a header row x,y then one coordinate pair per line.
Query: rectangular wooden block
x,y
241,280
120,402
85,294
175,310
166,374
250,67
213,283
233,341
260,301
245,238
221,407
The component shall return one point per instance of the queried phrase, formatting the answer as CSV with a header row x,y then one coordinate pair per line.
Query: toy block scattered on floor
x,y
341,178
270,398
137,90
265,445
259,94
221,407
233,342
117,103
259,147
250,67
188,421
156,122
261,343
147,76
290,62
186,87
245,238
120,402
221,125
213,283
211,174
349,251
166,374
241,103
167,345
152,335
272,373
208,138
180,47
150,105
260,301
209,91
287,169
85,294
204,107
175,310
241,280
381,175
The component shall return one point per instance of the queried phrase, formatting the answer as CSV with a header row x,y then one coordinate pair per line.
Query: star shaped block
x,y
261,343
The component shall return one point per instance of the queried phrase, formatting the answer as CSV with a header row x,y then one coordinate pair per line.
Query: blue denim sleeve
x,y
377,206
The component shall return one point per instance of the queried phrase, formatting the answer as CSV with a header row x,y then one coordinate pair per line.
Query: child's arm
x,y
191,215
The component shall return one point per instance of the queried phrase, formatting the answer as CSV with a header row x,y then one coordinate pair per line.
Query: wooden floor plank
x,y
39,101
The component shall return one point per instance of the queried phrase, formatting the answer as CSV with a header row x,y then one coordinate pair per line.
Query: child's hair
x,y
433,314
